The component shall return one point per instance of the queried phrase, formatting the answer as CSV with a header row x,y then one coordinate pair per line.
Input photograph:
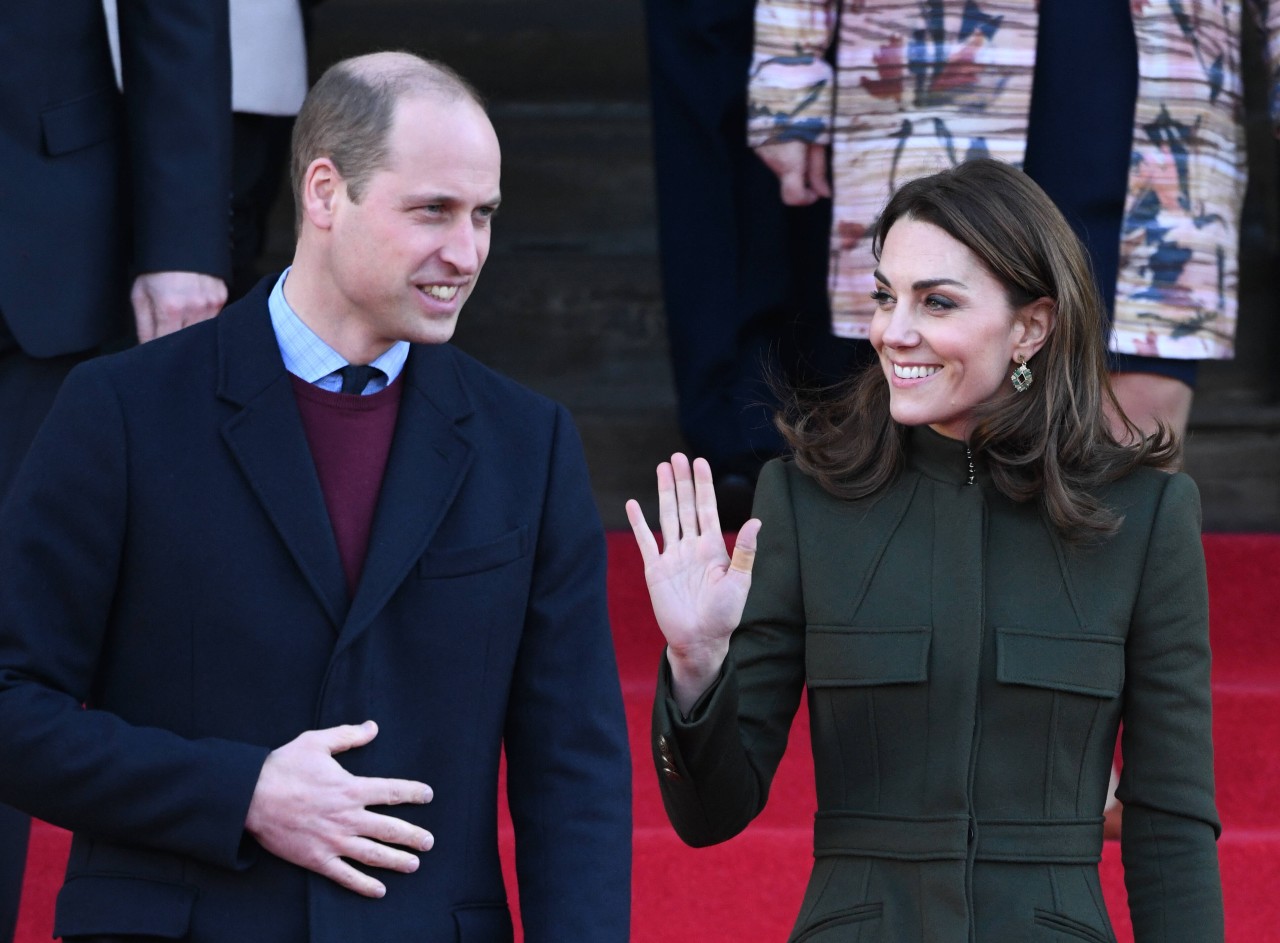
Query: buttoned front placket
x,y
959,615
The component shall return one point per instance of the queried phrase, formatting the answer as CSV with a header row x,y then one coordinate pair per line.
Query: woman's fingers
x,y
640,528
744,548
686,503
668,515
705,497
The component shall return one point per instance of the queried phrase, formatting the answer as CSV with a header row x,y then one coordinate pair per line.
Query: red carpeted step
x,y
1244,599
749,888
1246,743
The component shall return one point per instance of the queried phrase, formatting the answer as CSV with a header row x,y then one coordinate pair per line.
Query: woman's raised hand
x,y
698,592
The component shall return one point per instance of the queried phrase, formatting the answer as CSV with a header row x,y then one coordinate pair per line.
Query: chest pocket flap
x,y
1080,664
445,562
839,656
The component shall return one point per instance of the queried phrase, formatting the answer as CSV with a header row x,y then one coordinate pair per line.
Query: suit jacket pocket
x,y
81,122
109,904
839,656
483,923
446,562
1079,664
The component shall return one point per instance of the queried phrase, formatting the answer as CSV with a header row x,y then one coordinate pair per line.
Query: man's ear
x,y
1035,321
321,184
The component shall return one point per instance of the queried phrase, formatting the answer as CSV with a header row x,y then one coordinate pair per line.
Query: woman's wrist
x,y
694,668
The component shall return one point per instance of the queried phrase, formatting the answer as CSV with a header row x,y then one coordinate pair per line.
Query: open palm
x,y
698,593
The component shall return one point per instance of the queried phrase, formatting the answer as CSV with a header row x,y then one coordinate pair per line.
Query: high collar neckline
x,y
943,459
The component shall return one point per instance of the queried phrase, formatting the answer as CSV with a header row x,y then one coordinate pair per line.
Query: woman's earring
x,y
1022,377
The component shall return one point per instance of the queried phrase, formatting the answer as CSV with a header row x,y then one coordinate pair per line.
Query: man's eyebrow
x,y
924,284
427,199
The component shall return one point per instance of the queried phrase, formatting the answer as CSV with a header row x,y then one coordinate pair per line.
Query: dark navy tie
x,y
356,376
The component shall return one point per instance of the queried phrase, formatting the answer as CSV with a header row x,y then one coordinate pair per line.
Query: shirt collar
x,y
309,358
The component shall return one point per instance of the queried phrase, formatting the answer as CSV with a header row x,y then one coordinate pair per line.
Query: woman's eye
x,y
882,298
939,303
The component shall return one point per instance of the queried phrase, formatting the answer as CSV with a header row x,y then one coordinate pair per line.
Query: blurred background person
x,y
1142,149
115,211
743,275
268,83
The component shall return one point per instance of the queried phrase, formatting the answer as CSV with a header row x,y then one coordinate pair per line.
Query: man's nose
x,y
462,247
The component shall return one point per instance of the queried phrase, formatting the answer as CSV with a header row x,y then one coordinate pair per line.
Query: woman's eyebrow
x,y
923,284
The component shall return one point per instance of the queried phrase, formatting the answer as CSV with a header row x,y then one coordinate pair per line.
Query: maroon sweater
x,y
350,438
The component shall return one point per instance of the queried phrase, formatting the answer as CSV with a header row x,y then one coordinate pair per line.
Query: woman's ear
x,y
1035,322
320,185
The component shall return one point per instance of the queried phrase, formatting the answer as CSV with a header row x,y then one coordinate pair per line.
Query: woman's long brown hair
x,y
1052,442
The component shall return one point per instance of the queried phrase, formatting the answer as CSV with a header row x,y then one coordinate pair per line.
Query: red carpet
x,y
749,889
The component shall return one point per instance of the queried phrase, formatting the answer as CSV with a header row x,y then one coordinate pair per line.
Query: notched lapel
x,y
426,468
268,442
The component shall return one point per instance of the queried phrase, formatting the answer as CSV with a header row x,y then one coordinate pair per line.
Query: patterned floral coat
x,y
919,85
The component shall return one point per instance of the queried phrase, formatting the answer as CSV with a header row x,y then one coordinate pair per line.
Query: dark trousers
x,y
744,277
27,389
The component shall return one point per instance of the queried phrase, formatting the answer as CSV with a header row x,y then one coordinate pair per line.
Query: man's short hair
x,y
347,114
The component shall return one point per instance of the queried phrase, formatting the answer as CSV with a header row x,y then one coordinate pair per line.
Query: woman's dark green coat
x,y
967,670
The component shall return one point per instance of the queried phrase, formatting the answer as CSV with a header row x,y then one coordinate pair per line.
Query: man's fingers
x,y
144,313
377,855
348,736
394,792
341,873
819,182
393,831
795,192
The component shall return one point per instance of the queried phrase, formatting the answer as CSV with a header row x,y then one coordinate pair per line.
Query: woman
x,y
975,582
1129,113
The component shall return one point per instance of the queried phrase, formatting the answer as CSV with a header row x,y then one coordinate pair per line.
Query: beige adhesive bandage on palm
x,y
742,560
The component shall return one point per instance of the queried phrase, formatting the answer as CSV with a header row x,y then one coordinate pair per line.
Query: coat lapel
x,y
266,437
428,462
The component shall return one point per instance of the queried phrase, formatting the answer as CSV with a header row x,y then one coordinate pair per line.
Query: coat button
x,y
668,765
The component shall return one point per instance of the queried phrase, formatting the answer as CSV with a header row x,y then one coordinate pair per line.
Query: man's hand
x,y
801,170
164,302
308,810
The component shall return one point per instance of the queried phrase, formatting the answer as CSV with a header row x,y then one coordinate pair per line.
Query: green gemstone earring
x,y
1022,377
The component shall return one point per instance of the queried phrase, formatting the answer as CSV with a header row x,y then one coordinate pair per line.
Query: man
x,y
103,196
304,622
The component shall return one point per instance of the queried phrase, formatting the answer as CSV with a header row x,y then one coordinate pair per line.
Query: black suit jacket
x,y
169,563
98,187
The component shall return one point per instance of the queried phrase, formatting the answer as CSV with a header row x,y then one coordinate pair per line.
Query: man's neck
x,y
315,301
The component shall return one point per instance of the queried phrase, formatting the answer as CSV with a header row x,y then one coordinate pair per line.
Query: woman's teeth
x,y
914,373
